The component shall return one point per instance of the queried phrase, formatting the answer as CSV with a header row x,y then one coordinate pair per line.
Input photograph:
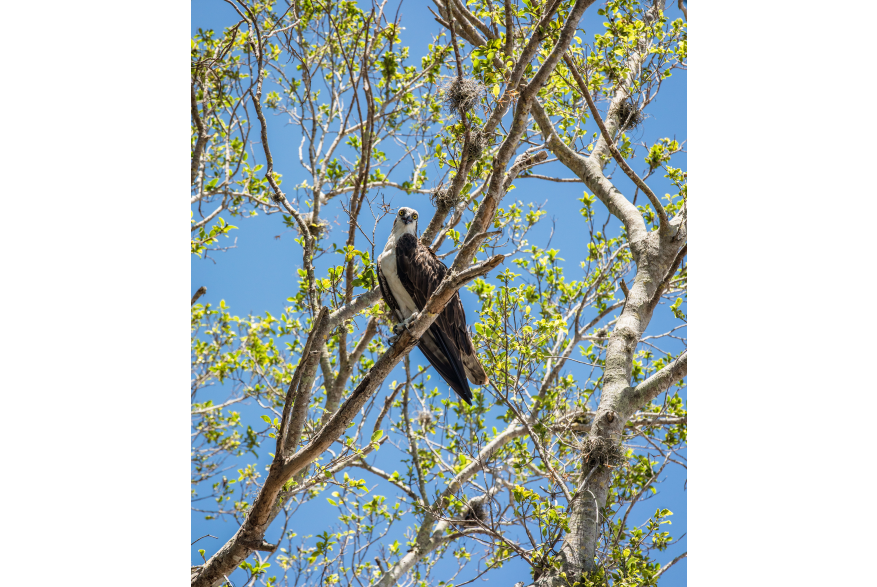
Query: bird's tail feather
x,y
448,362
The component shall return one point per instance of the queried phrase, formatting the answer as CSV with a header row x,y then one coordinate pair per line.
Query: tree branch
x,y
583,87
592,175
359,304
524,161
469,17
659,382
554,179
336,389
425,545
468,31
298,394
678,558
202,136
487,210
386,477
663,285
407,341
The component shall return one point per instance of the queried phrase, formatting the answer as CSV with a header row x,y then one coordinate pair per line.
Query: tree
x,y
542,468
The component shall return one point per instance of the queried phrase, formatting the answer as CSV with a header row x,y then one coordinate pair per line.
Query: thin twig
x,y
573,360
205,536
659,209
670,564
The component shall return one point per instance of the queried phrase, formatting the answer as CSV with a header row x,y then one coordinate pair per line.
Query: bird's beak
x,y
407,220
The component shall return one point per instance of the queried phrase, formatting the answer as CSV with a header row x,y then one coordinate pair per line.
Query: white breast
x,y
387,261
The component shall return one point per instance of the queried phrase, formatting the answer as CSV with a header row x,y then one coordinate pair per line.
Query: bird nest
x,y
478,141
442,198
629,116
475,513
460,94
317,229
424,418
601,451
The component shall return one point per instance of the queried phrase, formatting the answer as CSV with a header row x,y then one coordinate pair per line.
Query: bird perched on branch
x,y
408,273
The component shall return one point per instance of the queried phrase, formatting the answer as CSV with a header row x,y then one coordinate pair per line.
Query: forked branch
x,y
583,87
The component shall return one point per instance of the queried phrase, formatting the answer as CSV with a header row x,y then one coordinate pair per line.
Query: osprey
x,y
408,273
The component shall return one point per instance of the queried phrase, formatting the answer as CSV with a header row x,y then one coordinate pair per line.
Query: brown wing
x,y
420,275
435,345
421,272
453,318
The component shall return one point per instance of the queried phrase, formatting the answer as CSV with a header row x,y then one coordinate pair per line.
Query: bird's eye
x,y
414,216
401,212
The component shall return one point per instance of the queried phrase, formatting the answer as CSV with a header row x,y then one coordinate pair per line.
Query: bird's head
x,y
406,222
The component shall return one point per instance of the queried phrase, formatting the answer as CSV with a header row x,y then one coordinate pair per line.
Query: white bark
x,y
654,253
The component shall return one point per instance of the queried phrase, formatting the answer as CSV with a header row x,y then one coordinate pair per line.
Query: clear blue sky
x,y
260,273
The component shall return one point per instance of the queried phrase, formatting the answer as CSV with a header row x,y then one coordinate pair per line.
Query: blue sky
x,y
260,273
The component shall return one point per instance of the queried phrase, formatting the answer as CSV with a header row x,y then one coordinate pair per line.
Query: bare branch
x,y
583,87
554,179
358,304
201,140
681,556
386,477
334,391
659,382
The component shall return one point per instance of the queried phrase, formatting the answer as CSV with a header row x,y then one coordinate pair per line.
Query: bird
x,y
408,274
